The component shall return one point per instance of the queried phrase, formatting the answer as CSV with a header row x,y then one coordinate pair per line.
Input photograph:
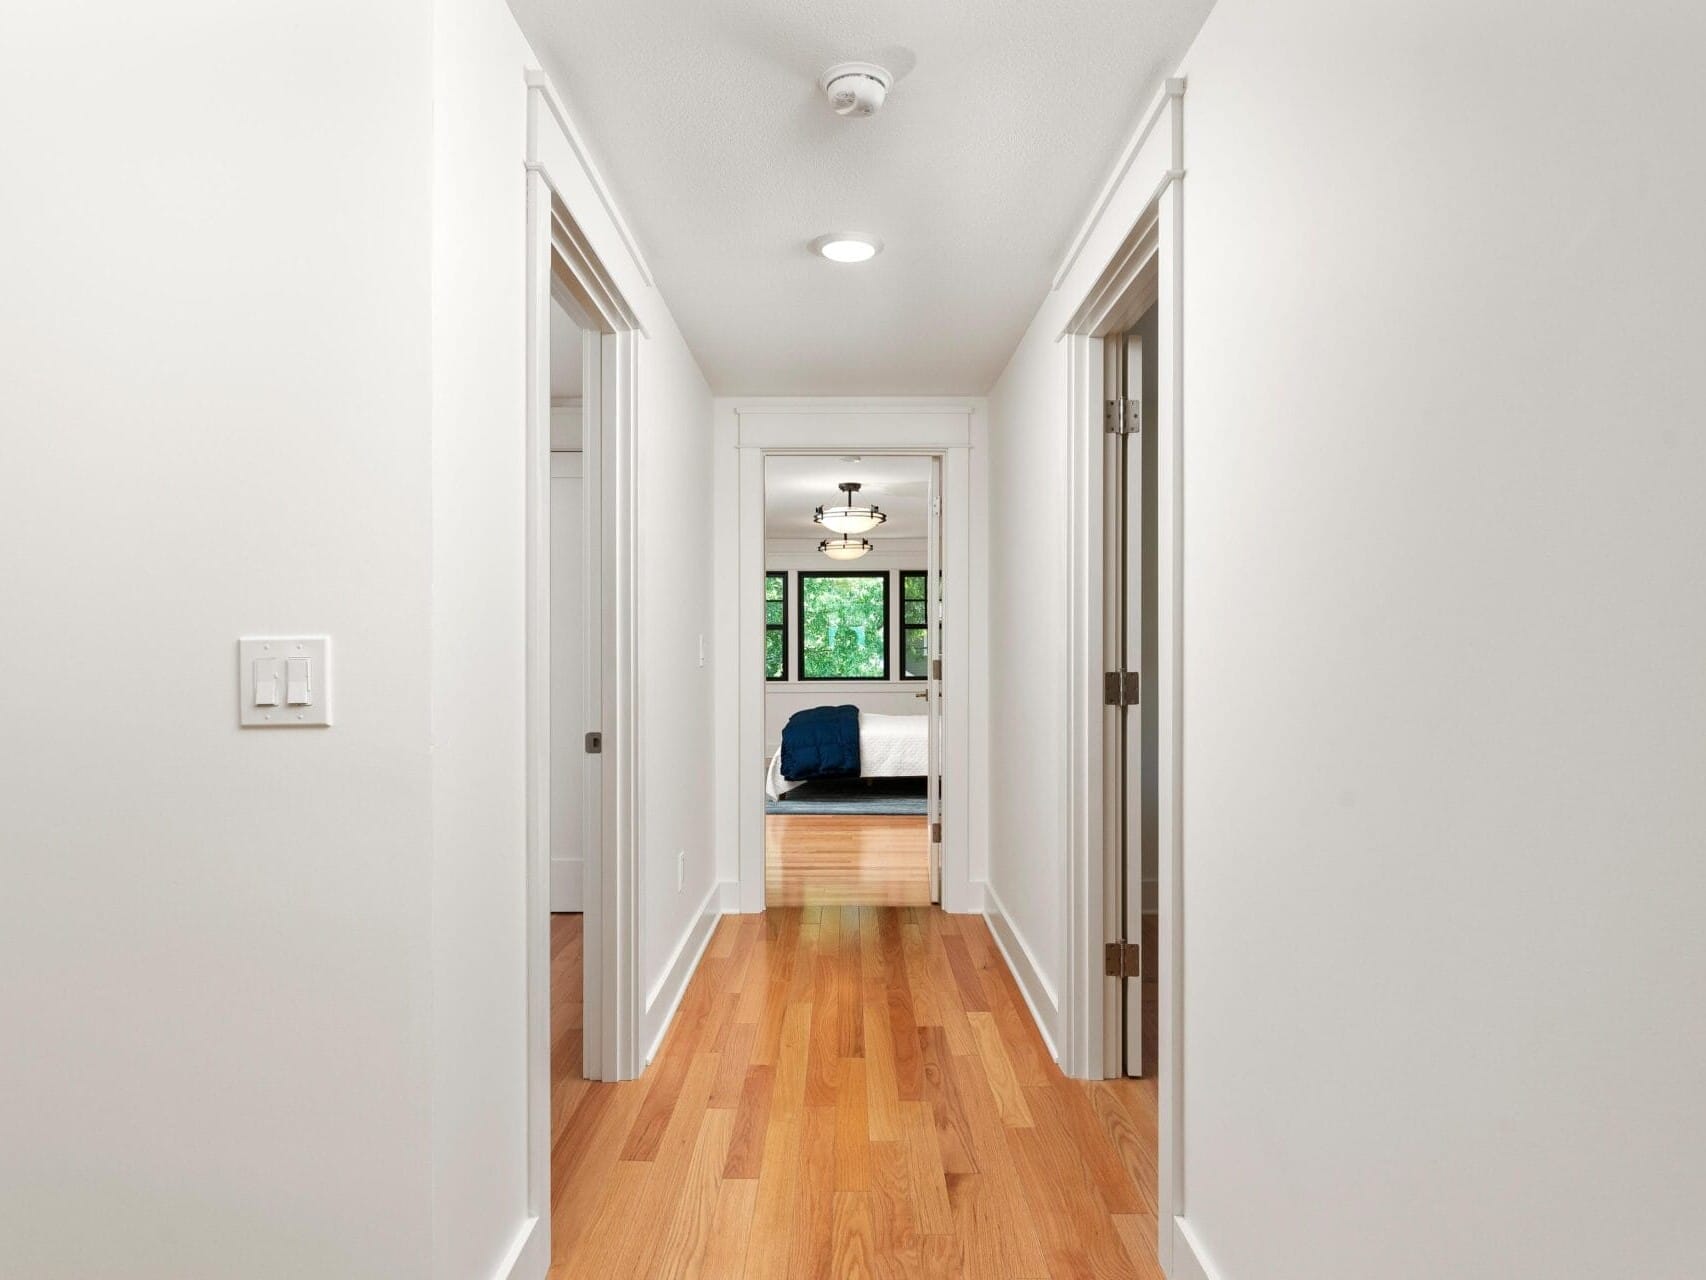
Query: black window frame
x,y
882,575
782,626
905,626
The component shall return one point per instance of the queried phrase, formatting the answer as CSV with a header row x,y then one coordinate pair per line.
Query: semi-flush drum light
x,y
844,548
849,518
847,246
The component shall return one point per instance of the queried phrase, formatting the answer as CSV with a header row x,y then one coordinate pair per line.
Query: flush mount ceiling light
x,y
844,548
847,246
848,518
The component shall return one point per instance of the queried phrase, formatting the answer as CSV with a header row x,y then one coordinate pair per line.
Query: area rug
x,y
854,797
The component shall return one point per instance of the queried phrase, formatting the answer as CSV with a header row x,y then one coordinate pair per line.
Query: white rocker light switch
x,y
285,682
266,682
297,691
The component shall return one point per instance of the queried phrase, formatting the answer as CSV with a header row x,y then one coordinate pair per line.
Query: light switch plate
x,y
279,649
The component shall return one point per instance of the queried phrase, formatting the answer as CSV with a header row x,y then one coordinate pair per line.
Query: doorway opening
x,y
1123,1014
582,993
853,628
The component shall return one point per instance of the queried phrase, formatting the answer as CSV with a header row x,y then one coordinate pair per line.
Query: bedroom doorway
x,y
853,629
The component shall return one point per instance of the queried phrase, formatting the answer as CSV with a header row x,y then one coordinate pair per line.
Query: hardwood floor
x,y
846,860
846,1092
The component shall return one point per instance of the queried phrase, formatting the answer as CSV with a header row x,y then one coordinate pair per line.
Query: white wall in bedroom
x,y
1442,642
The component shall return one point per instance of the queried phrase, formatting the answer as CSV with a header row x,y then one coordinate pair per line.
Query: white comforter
x,y
889,747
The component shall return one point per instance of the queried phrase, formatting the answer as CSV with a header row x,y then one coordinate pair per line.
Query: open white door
x,y
569,789
933,684
1122,694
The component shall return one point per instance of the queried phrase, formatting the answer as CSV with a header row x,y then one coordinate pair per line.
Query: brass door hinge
x,y
1122,688
1123,960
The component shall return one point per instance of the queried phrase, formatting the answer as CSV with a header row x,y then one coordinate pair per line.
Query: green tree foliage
x,y
842,626
775,626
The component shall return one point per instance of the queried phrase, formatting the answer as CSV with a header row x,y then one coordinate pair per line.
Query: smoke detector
x,y
856,88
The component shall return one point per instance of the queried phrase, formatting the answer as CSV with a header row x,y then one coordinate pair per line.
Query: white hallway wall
x,y
272,983
1443,688
214,944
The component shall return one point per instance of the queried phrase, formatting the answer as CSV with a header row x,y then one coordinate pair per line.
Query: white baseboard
x,y
1044,1004
730,897
568,884
1189,1260
529,1256
665,997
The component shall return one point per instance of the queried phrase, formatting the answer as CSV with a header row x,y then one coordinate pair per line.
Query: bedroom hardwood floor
x,y
846,860
847,1091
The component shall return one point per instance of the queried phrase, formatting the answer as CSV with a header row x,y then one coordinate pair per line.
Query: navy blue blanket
x,y
821,742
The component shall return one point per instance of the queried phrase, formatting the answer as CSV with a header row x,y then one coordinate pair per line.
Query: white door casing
x,y
1143,270
563,263
944,428
933,595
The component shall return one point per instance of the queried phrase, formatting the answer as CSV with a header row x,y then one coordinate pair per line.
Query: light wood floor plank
x,y
846,1091
746,1146
928,1184
852,1129
771,1233
683,1245
882,1100
1021,1250
892,1218
814,1198
854,1255
998,1070
1076,1236
725,1249
1137,1234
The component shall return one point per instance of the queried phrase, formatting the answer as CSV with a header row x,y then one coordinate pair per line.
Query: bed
x,y
889,747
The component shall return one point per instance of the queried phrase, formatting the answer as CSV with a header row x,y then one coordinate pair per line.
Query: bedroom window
x,y
914,625
775,626
843,626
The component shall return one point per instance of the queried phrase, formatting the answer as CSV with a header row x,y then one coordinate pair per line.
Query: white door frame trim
x,y
947,428
1157,234
561,262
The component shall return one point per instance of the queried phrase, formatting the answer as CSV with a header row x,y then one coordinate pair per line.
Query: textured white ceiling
x,y
794,487
707,121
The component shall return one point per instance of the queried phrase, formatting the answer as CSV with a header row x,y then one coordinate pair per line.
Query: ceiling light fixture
x,y
847,246
849,518
844,548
